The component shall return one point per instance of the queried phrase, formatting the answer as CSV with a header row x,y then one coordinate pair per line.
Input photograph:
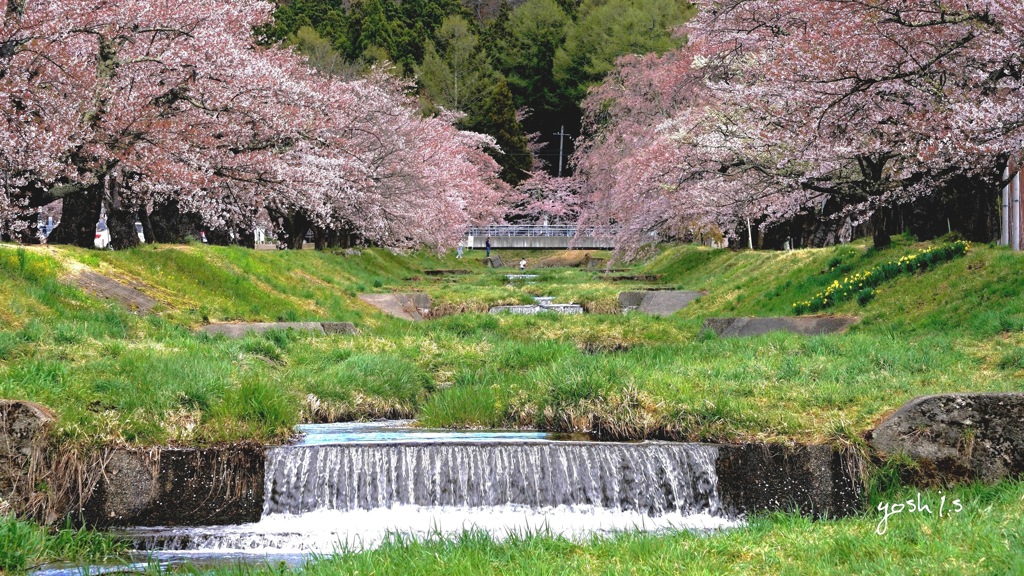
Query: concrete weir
x,y
195,488
228,484
543,304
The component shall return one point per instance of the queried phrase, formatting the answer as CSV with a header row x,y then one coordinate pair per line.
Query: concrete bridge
x,y
560,237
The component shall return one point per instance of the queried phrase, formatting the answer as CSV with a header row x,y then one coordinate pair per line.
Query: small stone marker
x,y
494,261
805,325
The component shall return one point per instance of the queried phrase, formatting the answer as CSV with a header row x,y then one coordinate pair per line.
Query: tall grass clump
x,y
463,406
269,410
25,545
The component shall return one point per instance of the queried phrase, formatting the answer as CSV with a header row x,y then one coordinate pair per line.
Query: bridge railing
x,y
533,230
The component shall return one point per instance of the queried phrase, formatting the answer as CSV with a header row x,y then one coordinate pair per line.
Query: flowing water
x,y
350,486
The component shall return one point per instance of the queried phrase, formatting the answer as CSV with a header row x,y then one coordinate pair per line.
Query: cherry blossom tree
x,y
546,198
135,104
776,107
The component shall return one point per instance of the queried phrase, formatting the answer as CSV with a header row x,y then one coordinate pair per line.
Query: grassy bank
x,y
26,546
114,377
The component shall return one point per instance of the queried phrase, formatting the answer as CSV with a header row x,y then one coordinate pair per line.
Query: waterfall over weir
x,y
651,478
348,486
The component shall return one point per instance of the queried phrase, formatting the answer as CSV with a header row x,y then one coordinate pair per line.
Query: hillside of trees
x,y
518,71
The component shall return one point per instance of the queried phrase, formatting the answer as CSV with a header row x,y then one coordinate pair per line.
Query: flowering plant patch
x,y
862,285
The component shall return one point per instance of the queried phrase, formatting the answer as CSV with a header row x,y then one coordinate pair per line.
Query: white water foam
x,y
329,531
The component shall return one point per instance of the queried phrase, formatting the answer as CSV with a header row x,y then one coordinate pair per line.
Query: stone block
x,y
178,487
657,302
240,329
805,325
339,328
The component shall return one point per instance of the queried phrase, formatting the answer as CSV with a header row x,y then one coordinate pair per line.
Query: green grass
x,y
114,377
25,545
984,537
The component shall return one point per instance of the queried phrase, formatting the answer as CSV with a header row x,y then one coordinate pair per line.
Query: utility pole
x,y
561,137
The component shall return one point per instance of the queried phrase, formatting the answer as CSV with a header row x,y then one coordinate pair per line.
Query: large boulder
x,y
956,437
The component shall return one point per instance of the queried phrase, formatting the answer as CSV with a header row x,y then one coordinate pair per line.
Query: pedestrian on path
x,y
458,252
487,245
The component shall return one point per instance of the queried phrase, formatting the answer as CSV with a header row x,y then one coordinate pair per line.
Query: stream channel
x,y
345,487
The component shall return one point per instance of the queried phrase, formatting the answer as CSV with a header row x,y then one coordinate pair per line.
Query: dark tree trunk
x,y
79,215
122,228
218,237
293,227
344,237
147,226
246,238
166,223
170,226
297,229
121,219
880,228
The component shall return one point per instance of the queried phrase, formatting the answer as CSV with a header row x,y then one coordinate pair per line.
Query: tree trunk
x,y
121,218
246,237
170,226
78,219
880,228
293,226
147,226
296,231
122,228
